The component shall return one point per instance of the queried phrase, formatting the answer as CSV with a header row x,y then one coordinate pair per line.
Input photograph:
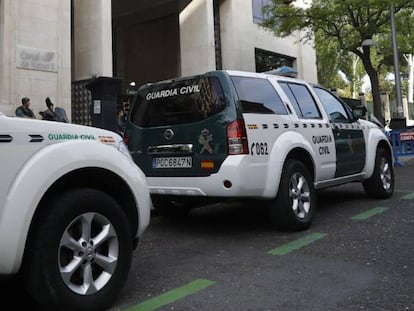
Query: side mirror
x,y
359,112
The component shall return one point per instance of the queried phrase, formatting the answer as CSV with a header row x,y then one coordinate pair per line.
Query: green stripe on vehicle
x,y
369,213
294,245
172,295
409,196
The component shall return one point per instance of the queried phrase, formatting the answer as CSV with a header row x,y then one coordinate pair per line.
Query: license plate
x,y
172,162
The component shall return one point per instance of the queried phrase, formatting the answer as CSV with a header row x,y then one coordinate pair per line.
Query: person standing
x,y
120,122
24,110
49,114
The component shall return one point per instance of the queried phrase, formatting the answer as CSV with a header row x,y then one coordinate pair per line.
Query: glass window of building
x,y
257,6
266,60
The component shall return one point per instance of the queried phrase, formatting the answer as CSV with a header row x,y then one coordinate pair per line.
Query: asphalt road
x,y
358,255
361,258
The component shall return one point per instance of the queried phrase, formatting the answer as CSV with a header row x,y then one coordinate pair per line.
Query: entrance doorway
x,y
146,40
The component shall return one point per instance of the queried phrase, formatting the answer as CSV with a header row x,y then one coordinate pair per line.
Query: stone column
x,y
197,38
7,43
386,104
362,98
405,107
92,46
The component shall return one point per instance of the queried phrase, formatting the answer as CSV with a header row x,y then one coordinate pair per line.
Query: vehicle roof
x,y
241,73
262,75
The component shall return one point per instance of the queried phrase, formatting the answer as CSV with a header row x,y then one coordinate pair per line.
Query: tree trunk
x,y
373,77
376,97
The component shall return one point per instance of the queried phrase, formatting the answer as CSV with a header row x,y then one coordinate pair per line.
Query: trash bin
x,y
104,93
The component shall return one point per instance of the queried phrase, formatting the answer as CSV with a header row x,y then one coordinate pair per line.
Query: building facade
x,y
55,47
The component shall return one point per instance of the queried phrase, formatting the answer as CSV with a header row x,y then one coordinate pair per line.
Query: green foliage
x,y
348,21
327,64
338,27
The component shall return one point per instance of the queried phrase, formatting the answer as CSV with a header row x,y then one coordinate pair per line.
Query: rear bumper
x,y
247,179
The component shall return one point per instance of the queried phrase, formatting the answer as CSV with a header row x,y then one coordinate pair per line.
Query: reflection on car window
x,y
180,102
301,99
291,97
334,108
258,96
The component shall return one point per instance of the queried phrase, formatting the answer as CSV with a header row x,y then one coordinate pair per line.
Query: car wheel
x,y
80,253
295,202
170,208
381,183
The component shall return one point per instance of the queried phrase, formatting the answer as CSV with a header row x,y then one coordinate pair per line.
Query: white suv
x,y
231,134
73,206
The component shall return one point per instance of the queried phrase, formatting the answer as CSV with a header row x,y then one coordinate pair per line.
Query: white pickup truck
x,y
73,206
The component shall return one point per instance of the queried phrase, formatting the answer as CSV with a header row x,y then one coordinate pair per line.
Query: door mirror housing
x,y
359,112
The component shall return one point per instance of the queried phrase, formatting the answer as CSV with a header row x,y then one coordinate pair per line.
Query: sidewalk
x,y
407,161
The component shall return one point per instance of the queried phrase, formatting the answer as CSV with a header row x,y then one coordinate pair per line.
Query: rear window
x,y
179,102
258,96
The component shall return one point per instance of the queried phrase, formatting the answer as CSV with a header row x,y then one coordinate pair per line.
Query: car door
x,y
312,126
347,132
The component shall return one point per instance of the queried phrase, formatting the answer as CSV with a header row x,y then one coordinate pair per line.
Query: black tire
x,y
68,233
295,202
381,184
169,208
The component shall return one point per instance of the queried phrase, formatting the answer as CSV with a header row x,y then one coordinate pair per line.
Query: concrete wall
x,y
35,45
240,36
92,39
197,38
35,59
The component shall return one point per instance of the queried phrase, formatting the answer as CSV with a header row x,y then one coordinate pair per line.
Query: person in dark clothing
x,y
24,111
49,114
123,111
120,122
53,113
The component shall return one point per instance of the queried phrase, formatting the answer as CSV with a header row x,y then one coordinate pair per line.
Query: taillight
x,y
236,138
126,139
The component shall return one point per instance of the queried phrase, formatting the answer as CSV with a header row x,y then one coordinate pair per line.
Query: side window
x,y
302,100
291,97
333,107
258,96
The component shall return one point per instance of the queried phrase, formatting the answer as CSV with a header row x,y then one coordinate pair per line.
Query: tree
x,y
406,39
337,69
328,64
347,22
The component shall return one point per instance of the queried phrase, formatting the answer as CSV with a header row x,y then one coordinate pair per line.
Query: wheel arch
x,y
386,146
290,145
299,153
305,157
94,178
370,165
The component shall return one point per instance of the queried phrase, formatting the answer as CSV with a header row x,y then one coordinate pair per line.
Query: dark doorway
x,y
146,38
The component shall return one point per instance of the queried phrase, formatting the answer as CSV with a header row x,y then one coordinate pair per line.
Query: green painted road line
x,y
406,191
409,196
171,296
294,245
369,213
